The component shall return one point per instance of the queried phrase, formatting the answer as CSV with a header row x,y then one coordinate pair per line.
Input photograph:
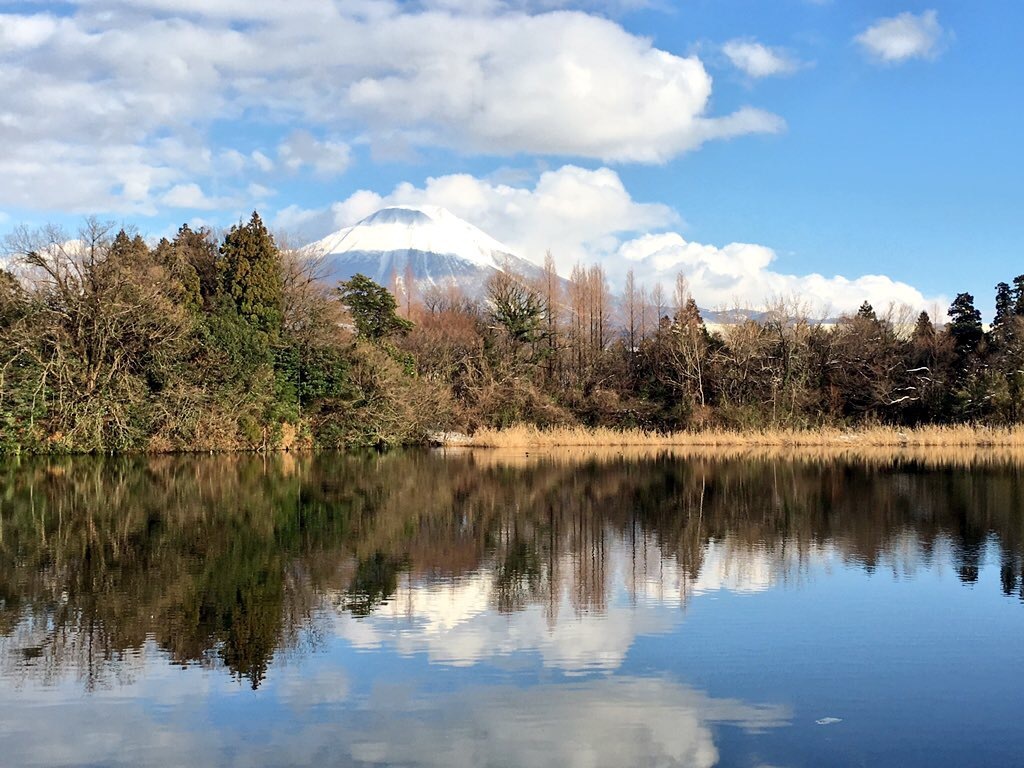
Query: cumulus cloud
x,y
327,158
262,162
561,83
575,213
758,60
741,275
492,6
588,216
190,196
903,37
500,79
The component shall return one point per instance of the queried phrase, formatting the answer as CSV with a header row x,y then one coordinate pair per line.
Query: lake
x,y
486,609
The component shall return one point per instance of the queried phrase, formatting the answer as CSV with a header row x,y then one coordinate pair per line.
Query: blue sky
x,y
751,144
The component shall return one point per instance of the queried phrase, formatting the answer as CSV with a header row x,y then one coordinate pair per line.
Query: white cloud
x,y
21,32
233,161
327,158
574,212
903,37
191,196
262,162
740,275
494,6
589,216
563,83
259,192
757,60
501,80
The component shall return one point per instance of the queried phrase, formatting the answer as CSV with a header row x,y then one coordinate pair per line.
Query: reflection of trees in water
x,y
374,581
227,560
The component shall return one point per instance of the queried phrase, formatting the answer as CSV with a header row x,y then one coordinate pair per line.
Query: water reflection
x,y
602,723
605,722
236,561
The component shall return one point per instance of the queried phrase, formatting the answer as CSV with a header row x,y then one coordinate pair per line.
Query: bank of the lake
x,y
528,436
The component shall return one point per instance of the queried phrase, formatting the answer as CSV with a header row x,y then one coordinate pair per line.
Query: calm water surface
x,y
430,610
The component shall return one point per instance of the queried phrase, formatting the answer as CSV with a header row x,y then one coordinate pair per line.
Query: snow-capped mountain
x,y
434,243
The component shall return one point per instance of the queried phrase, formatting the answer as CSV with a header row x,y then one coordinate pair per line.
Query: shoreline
x,y
529,437
526,436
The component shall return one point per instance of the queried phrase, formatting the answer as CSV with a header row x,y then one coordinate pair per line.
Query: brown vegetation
x,y
934,436
109,344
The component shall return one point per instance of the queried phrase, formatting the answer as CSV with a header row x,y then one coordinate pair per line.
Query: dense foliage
x,y
108,344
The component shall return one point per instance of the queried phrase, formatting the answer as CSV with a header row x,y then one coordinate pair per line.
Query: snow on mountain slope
x,y
434,243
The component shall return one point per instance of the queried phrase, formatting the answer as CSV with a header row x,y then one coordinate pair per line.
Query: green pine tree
x,y
250,269
867,312
373,309
1018,295
924,330
965,324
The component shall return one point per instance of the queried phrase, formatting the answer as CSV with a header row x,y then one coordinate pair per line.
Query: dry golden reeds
x,y
525,436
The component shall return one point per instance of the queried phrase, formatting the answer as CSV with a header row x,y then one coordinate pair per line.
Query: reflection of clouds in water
x,y
603,722
572,643
302,692
723,569
455,622
742,569
54,725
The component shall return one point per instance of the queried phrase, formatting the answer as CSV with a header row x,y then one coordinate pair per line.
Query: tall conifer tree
x,y
251,274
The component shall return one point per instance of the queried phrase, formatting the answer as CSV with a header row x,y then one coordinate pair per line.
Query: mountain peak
x,y
400,214
433,242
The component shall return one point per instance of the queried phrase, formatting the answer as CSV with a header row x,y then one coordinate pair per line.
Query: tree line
x,y
237,342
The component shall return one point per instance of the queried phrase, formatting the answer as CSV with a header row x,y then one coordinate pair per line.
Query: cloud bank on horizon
x,y
158,110
582,216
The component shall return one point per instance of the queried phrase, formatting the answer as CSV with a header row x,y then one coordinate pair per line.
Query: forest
x,y
202,343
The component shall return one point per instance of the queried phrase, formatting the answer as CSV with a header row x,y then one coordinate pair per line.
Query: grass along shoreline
x,y
527,436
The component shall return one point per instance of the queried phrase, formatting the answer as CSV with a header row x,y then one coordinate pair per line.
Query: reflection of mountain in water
x,y
233,561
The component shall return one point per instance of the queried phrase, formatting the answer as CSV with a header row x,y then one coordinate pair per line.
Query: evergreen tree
x,y
373,309
127,251
867,312
1004,306
516,307
689,316
965,324
250,269
924,330
1018,295
191,258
